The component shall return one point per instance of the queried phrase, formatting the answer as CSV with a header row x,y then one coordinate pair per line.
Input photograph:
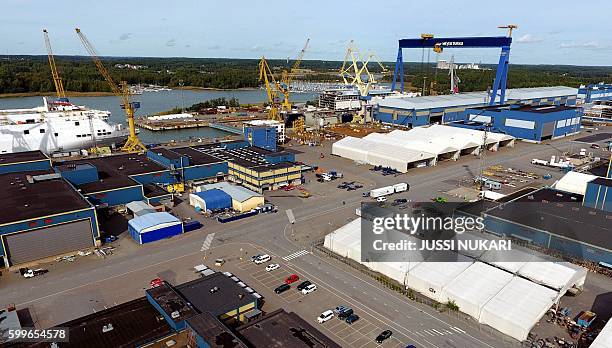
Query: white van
x,y
381,199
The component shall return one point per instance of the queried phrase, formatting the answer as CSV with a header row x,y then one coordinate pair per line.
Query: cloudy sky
x,y
550,32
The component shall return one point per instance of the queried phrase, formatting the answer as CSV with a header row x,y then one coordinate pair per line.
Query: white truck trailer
x,y
382,191
400,187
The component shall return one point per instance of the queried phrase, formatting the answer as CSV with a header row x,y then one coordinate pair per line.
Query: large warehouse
x,y
527,122
44,216
511,297
541,217
417,147
420,111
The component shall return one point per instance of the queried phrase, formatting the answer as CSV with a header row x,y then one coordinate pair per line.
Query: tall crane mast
x,y
287,76
59,86
272,88
133,143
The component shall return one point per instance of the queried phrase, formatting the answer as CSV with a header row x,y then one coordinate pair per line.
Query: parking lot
x,y
361,333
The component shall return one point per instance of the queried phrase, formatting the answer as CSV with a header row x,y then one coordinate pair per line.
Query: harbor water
x,y
153,102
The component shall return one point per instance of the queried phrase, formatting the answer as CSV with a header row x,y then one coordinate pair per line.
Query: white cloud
x,y
171,43
590,45
214,47
528,38
125,36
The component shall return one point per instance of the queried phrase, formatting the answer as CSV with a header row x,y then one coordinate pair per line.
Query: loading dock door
x,y
48,241
548,129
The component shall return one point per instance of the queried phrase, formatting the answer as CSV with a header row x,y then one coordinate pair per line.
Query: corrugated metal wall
x,y
49,241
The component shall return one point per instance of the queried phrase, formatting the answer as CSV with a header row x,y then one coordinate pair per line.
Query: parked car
x,y
282,288
352,318
340,309
31,273
262,259
308,289
219,262
255,257
594,146
365,194
381,199
155,283
292,279
325,316
383,336
271,267
345,314
303,285
398,201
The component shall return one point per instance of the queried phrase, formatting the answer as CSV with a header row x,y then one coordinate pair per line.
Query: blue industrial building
x,y
530,123
211,200
421,111
595,92
153,227
45,216
598,194
541,218
261,136
24,162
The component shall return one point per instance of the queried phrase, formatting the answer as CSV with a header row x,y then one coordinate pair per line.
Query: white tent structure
x,y
402,150
604,339
472,289
574,182
510,296
517,307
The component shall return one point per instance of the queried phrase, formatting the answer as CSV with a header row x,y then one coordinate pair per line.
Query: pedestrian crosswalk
x,y
290,216
439,331
207,242
295,255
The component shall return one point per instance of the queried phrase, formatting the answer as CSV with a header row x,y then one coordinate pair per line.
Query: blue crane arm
x,y
457,42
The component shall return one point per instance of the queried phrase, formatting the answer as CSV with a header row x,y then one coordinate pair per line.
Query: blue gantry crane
x,y
439,44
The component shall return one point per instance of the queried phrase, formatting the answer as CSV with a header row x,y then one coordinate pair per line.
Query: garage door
x,y
548,129
49,241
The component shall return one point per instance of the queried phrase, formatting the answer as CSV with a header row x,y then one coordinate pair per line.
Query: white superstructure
x,y
56,127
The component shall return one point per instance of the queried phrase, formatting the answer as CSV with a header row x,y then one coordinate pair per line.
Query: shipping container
x,y
191,225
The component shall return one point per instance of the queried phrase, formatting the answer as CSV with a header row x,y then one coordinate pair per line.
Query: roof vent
x,y
530,197
107,328
573,198
175,314
559,195
215,289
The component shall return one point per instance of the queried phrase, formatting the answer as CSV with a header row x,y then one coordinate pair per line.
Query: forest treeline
x,y
31,74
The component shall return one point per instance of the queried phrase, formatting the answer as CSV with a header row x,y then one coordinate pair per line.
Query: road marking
x,y
295,255
207,241
290,216
457,329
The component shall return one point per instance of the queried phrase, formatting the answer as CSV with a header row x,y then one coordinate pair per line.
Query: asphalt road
x,y
89,284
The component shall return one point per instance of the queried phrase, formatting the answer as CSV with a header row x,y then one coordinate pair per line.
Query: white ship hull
x,y
56,129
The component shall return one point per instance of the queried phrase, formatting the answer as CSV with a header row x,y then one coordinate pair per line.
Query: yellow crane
x,y
59,86
133,143
272,88
287,76
355,72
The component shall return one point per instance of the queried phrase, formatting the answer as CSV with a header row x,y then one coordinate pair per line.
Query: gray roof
x,y
474,98
237,193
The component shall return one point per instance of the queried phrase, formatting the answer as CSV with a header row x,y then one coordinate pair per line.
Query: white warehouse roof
x,y
399,148
574,182
238,193
494,296
472,289
604,339
517,307
474,98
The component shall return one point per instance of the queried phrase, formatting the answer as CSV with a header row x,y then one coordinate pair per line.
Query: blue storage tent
x,y
212,200
155,226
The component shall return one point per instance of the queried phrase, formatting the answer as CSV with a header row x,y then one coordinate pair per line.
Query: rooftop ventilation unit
x,y
107,328
175,314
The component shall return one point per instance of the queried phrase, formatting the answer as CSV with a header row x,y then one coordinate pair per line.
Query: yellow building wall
x,y
247,205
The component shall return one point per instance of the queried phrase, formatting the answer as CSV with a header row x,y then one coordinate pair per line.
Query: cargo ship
x,y
57,126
